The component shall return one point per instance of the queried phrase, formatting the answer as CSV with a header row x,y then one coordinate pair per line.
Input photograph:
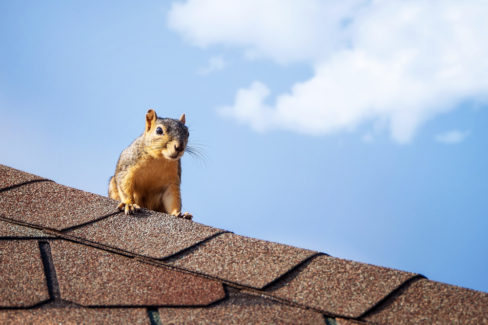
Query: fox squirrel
x,y
148,172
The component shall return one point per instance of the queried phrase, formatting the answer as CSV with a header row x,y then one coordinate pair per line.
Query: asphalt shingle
x,y
429,302
241,310
339,287
11,176
55,279
147,233
342,321
246,261
10,230
137,316
93,277
22,280
51,205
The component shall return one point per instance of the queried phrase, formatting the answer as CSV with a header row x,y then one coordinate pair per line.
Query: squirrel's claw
x,y
185,215
128,208
121,206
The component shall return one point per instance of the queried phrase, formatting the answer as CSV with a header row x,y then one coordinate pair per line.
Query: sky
x,y
356,128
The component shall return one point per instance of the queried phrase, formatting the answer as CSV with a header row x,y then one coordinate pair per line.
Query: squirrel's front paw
x,y
128,207
185,215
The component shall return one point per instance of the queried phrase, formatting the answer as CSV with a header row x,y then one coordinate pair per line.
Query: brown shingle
x,y
339,287
243,260
12,230
75,316
11,176
93,277
342,321
148,233
429,302
241,310
22,281
52,205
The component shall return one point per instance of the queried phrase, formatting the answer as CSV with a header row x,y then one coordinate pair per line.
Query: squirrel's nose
x,y
179,148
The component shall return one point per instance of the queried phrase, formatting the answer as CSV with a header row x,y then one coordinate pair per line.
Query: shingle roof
x,y
67,256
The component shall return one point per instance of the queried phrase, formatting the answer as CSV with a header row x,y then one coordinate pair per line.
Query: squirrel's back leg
x,y
113,192
172,202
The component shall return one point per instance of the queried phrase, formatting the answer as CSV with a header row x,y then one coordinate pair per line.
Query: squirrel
x,y
148,172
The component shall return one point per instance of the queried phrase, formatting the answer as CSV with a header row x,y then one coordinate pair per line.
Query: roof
x,y
69,256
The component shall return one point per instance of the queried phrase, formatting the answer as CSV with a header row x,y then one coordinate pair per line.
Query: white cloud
x,y
215,63
285,30
393,63
452,137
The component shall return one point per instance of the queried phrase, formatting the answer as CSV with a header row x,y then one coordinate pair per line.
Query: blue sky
x,y
345,128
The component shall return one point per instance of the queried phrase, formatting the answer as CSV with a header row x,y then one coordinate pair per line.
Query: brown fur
x,y
148,172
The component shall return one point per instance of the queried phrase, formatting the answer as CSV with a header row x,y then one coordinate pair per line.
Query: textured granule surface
x,y
22,281
342,321
51,205
16,231
10,176
341,287
241,310
136,316
147,233
93,277
429,302
103,267
243,260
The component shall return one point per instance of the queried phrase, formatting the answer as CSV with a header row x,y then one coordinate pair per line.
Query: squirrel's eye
x,y
159,130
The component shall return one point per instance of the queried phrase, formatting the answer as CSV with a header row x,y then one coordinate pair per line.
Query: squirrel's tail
x,y
113,193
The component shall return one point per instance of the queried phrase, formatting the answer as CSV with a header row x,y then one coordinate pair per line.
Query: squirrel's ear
x,y
182,118
150,119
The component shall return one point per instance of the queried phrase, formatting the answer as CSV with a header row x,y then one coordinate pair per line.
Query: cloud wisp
x,y
215,63
391,63
452,137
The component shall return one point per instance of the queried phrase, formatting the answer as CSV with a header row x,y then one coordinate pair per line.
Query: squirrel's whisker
x,y
196,152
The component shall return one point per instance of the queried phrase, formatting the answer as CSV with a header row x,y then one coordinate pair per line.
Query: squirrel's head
x,y
165,137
